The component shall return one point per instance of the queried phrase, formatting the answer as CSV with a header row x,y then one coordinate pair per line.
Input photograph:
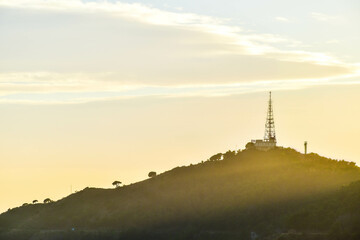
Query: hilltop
x,y
276,194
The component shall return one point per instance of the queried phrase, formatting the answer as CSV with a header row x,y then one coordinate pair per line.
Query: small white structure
x,y
264,145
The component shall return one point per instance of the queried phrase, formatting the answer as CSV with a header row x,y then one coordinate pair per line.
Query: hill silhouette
x,y
278,194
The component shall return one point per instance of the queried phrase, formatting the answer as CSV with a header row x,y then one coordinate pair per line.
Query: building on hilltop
x,y
269,140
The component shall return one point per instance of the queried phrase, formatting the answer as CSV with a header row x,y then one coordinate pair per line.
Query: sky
x,y
97,91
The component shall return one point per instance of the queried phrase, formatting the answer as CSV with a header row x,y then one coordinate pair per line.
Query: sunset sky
x,y
97,91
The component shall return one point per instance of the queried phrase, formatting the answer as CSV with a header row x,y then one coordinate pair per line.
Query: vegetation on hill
x,y
229,196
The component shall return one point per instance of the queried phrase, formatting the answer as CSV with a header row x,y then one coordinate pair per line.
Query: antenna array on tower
x,y
270,123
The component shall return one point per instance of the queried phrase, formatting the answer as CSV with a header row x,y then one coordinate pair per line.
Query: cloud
x,y
324,17
34,90
149,15
73,51
282,19
332,41
51,82
135,11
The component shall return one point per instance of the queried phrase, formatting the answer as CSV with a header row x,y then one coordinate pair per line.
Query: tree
x,y
116,184
229,154
216,157
25,204
35,201
353,164
250,145
47,200
152,174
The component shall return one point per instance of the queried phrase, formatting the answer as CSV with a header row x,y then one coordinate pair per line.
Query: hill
x,y
279,194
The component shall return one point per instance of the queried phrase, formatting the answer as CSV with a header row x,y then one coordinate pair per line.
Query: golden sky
x,y
93,91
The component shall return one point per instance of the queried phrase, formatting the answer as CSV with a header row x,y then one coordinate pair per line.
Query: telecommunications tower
x,y
269,140
270,124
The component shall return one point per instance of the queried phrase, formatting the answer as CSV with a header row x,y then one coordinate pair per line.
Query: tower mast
x,y
270,124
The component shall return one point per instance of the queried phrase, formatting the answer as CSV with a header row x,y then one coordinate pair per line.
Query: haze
x,y
97,91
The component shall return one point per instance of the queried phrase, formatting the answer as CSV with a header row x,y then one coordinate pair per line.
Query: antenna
x,y
270,123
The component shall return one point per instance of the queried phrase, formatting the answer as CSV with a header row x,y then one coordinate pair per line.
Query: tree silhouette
x,y
35,201
216,157
229,154
116,184
152,174
250,145
48,200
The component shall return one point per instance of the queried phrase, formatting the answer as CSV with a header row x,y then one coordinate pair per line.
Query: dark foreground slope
x,y
268,193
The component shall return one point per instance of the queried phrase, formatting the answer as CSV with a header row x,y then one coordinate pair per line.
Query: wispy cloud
x,y
204,56
253,44
281,19
332,41
324,17
33,90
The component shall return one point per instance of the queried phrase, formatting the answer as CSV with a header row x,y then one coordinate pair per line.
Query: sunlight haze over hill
x,y
95,91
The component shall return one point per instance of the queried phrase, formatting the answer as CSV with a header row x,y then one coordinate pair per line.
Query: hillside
x,y
269,193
